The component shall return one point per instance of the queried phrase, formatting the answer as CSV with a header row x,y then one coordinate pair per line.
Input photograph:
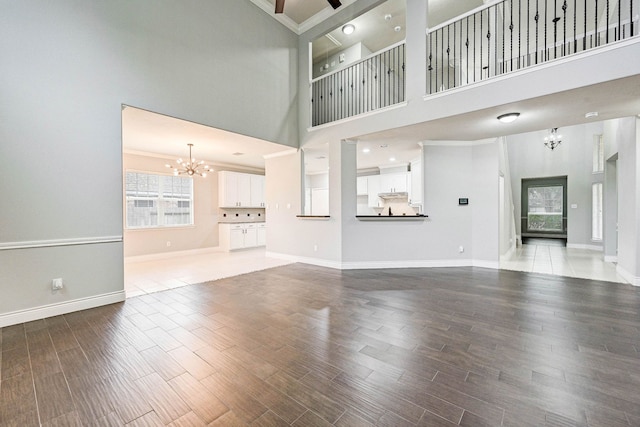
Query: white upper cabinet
x,y
257,191
394,182
361,186
240,190
415,194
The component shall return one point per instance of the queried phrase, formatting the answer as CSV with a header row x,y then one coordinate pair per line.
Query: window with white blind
x,y
154,200
596,211
598,154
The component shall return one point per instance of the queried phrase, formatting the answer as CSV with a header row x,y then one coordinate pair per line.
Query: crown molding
x,y
306,25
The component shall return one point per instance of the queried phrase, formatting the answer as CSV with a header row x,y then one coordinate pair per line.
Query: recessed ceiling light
x,y
591,114
387,17
237,154
348,29
366,150
508,118
392,159
384,145
397,28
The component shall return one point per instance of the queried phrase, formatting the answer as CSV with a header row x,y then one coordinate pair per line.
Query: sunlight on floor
x,y
562,261
159,275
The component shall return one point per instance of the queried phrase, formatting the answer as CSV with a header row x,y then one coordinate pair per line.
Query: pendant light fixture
x,y
190,167
553,140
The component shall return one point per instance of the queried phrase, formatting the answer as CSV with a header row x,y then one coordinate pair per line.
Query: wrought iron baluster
x,y
466,43
474,48
455,69
528,15
519,32
436,73
511,33
564,23
555,29
606,38
488,43
596,26
575,16
618,33
448,58
536,19
584,36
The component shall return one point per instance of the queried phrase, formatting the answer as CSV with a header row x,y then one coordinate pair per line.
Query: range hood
x,y
389,196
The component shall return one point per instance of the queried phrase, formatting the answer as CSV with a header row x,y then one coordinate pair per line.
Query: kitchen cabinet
x,y
394,182
241,236
415,193
257,191
373,188
361,186
262,234
240,190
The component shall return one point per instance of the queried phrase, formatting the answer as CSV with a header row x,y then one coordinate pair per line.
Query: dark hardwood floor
x,y
309,346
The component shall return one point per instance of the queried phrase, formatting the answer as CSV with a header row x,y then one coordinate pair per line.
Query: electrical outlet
x,y
315,248
57,284
168,244
461,249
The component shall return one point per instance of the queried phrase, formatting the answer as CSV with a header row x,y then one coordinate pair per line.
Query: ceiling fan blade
x,y
335,3
279,6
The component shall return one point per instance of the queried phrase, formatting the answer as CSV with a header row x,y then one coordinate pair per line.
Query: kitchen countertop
x,y
420,217
241,222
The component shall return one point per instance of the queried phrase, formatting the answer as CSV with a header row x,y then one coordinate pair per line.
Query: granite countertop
x,y
391,217
241,222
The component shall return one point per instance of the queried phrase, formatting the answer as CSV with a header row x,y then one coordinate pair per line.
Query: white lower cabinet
x,y
262,234
240,236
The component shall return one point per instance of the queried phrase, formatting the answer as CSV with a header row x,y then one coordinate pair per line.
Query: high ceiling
x,y
144,131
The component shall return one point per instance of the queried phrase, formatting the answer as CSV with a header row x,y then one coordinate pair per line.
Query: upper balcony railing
x,y
375,82
514,34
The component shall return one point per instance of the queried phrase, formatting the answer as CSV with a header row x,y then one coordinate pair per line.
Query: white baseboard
x,y
174,254
610,258
371,265
36,313
581,246
633,280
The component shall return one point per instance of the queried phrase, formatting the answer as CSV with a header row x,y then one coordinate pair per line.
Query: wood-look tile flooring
x,y
309,346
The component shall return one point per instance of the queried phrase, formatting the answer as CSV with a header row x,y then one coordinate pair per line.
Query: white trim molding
x,y
582,246
610,258
305,260
36,313
31,244
633,280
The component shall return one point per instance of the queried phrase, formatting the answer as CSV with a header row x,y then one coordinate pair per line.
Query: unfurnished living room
x,y
320,212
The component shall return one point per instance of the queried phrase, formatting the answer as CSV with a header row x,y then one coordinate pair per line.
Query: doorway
x,y
544,208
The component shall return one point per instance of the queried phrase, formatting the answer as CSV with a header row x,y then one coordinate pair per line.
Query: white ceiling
x,y
146,132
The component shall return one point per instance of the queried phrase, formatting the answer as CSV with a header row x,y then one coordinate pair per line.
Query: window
x,y
158,200
545,208
596,211
598,154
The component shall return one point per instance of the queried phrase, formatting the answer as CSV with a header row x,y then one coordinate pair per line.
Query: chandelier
x,y
190,167
553,140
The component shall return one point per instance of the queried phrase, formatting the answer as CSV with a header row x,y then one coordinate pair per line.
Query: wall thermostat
x,y
463,201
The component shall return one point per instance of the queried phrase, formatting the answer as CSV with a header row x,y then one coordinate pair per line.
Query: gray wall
x,y
623,134
529,158
68,66
452,170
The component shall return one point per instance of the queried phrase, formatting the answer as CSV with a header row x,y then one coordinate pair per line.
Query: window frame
x,y
159,201
597,202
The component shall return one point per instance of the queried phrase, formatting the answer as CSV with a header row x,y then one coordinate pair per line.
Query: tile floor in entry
x,y
143,277
550,258
158,275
